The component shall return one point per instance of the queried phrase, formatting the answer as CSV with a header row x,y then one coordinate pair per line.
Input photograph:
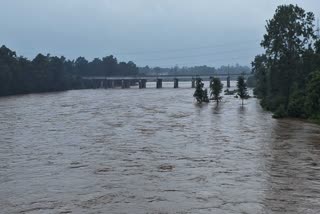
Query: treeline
x,y
288,73
46,73
196,70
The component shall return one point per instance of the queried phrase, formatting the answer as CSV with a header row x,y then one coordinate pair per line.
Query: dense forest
x,y
288,72
196,70
46,73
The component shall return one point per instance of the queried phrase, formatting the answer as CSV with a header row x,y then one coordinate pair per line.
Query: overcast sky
x,y
148,32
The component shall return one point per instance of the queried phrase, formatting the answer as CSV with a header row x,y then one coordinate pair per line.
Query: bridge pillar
x,y
228,81
193,83
159,83
175,83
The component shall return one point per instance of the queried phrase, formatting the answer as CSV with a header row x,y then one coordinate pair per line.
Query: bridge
x,y
127,81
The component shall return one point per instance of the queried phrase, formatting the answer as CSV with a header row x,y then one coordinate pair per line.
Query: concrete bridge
x,y
127,81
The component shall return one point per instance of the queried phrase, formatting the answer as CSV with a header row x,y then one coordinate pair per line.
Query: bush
x,y
272,103
312,101
296,105
280,112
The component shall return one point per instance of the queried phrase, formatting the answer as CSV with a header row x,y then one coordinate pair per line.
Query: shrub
x,y
280,112
296,104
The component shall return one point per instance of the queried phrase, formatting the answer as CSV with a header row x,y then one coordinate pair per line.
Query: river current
x,y
153,151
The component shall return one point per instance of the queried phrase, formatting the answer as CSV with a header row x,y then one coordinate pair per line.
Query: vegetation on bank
x,y
46,73
287,74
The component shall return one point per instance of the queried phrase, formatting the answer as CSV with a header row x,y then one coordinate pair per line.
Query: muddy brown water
x,y
153,151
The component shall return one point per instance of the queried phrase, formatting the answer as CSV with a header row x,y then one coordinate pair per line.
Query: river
x,y
153,151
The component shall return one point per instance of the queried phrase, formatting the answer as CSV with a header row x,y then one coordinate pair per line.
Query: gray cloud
x,y
153,32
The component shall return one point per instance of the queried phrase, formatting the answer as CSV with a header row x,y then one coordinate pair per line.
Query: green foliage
x,y
272,103
291,55
216,88
242,88
296,103
312,103
280,112
45,73
289,34
200,94
251,82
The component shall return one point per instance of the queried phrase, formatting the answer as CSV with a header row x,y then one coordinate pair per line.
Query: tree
x,y
41,76
8,62
260,71
110,66
216,88
81,66
46,73
198,94
312,104
242,88
289,35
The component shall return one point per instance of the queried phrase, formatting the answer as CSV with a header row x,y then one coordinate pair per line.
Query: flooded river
x,y
153,151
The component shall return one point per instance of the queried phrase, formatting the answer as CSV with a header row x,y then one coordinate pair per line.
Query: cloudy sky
x,y
149,32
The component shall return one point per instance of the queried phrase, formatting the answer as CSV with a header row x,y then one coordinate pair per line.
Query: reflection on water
x,y
153,151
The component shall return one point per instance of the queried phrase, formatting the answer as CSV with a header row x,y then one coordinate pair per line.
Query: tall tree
x,y
242,88
289,34
8,62
260,71
81,66
312,103
216,88
198,94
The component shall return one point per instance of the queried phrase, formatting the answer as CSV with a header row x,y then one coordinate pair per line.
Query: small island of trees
x,y
216,86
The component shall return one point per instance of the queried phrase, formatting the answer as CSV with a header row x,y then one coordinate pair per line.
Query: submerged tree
x,y
242,88
216,88
198,94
